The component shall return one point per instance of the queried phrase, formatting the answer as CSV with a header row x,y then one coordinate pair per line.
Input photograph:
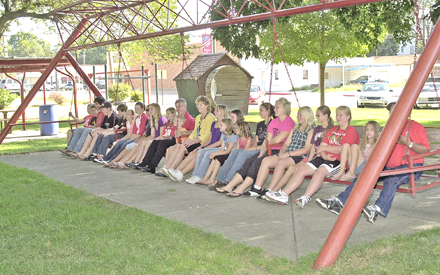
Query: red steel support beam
x,y
29,62
239,20
41,80
83,75
347,219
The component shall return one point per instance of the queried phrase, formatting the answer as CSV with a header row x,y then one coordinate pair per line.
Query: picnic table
x,y
5,117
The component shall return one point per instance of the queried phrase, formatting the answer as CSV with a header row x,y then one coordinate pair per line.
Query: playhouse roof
x,y
204,63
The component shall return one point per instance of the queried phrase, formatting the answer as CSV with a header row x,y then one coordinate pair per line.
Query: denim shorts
x,y
359,169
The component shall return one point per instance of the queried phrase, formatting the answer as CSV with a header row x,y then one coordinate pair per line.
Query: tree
x,y
160,49
372,23
13,9
92,56
310,37
313,37
387,48
28,45
435,12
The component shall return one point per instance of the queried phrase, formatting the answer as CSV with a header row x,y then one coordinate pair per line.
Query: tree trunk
x,y
321,82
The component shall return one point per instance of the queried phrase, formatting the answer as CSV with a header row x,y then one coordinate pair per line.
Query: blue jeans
x,y
203,161
75,137
80,143
390,186
102,143
235,161
117,149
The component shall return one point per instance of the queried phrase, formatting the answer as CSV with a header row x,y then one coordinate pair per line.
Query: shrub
x,y
57,97
123,91
6,98
136,96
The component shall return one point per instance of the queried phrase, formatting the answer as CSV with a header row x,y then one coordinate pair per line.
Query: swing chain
x,y
119,71
125,67
275,40
420,34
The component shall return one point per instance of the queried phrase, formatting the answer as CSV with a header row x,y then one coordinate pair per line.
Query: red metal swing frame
x,y
97,16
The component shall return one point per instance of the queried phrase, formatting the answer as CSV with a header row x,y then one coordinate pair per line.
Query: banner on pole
x,y
207,43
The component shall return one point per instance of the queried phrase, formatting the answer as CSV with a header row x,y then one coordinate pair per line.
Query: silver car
x,y
374,94
428,97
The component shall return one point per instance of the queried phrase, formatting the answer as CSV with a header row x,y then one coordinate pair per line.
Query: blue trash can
x,y
48,113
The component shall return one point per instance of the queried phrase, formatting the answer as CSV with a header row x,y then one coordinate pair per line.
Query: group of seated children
x,y
220,149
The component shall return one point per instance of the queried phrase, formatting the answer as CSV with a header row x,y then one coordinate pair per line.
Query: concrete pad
x,y
280,230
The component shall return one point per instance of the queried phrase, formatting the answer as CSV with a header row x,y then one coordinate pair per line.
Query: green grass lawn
x,y
35,145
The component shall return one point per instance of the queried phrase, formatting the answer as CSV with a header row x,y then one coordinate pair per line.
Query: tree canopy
x,y
319,36
13,9
388,48
28,45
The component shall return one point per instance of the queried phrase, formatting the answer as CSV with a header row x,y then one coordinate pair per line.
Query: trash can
x,y
48,113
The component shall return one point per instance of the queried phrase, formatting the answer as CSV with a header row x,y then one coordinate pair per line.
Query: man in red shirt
x,y
182,109
416,143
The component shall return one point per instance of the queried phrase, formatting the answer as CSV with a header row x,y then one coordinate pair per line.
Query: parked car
x,y
428,97
49,87
256,94
100,84
67,87
11,85
374,94
360,80
28,87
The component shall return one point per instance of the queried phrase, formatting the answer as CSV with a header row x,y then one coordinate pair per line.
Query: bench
x,y
427,180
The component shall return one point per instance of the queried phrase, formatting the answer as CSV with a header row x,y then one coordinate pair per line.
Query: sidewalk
x,y
279,230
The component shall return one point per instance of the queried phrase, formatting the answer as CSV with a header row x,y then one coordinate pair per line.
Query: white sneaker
x,y
302,201
279,197
176,174
166,172
265,197
193,179
98,160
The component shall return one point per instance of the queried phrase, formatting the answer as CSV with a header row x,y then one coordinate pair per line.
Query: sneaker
x,y
370,212
98,160
332,204
176,174
279,197
130,164
193,179
265,197
166,172
302,201
254,192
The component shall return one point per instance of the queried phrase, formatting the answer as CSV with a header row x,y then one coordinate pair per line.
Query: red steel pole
x,y
41,80
347,219
234,21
